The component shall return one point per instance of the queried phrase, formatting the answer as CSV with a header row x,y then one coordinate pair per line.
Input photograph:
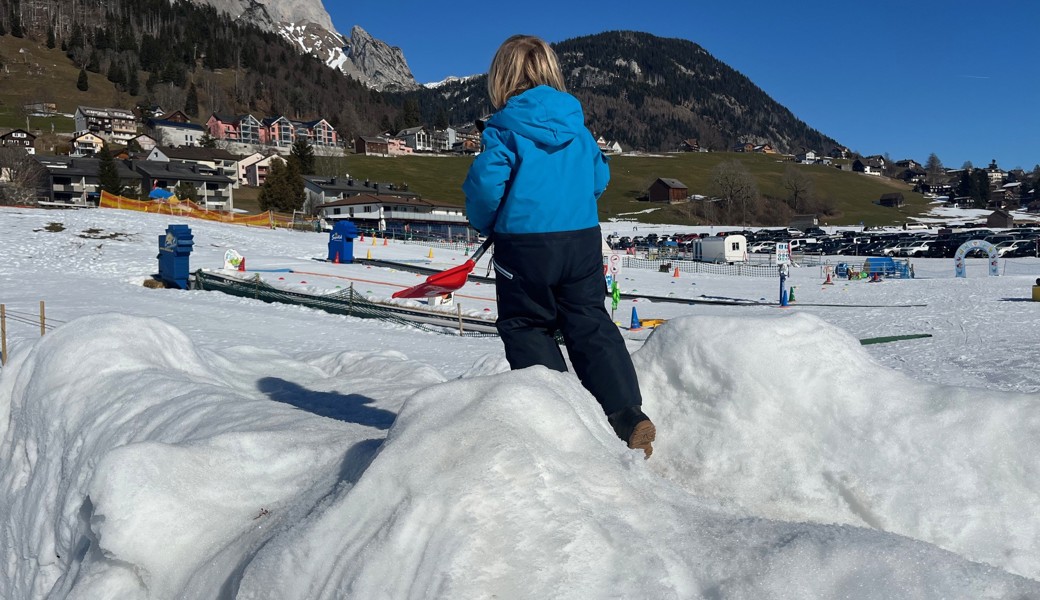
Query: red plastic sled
x,y
445,282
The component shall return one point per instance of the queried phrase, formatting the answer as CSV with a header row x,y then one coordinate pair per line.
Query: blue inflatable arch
x,y
968,246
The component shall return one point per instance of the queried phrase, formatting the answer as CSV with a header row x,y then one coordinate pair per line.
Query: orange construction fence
x,y
187,208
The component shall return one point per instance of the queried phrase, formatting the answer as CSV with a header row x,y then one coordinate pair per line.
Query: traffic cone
x,y
373,240
336,259
369,257
676,273
636,323
431,253
386,242
242,264
828,282
467,254
790,296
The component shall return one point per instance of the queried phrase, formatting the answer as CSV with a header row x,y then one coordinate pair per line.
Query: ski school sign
x,y
990,250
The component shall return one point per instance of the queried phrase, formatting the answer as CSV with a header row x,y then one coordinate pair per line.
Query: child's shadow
x,y
352,408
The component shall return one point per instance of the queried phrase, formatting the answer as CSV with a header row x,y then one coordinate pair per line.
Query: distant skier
x,y
534,188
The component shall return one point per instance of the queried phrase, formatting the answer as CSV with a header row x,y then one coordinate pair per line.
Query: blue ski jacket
x,y
540,171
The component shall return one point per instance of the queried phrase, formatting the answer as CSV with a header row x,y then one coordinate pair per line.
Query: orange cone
x,y
828,282
431,253
385,242
676,273
369,257
242,264
336,259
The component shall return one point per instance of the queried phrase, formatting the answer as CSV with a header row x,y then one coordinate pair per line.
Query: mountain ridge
x,y
652,93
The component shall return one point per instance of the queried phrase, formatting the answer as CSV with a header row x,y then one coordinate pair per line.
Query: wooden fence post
x,y
458,307
43,319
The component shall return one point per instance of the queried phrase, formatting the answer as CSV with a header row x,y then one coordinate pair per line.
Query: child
x,y
534,189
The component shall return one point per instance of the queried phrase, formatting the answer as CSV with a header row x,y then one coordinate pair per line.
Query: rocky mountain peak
x,y
309,27
376,63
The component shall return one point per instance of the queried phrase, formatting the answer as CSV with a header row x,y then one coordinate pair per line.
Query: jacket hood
x,y
543,115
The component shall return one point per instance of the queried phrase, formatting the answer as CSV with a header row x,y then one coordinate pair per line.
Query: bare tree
x,y
737,189
19,176
799,188
935,172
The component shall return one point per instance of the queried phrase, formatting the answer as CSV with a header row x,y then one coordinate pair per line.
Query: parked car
x,y
1008,246
914,249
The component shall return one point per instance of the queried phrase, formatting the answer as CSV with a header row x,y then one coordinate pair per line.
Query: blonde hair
x,y
521,63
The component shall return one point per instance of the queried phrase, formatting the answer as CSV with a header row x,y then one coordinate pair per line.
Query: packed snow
x,y
192,444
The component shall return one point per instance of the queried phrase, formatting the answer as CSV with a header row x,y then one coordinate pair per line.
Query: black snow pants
x,y
554,281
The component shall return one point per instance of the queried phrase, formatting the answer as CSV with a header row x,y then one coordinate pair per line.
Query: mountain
x,y
309,27
651,93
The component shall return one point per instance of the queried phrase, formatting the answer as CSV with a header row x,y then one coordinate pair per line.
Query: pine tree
x,y
108,174
303,154
191,102
283,189
82,84
207,140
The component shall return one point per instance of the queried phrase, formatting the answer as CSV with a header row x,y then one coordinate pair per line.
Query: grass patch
x,y
853,194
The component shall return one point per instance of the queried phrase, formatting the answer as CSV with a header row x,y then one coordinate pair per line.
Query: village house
x,y
213,189
398,147
279,131
254,172
808,157
382,207
145,141
891,200
19,138
689,145
174,133
242,129
868,166
416,138
442,140
85,143
73,181
1000,219
216,159
114,125
371,146
665,189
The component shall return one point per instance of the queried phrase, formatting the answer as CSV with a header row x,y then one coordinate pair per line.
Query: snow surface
x,y
191,444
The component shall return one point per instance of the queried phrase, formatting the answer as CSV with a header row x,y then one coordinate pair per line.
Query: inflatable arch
x,y
968,246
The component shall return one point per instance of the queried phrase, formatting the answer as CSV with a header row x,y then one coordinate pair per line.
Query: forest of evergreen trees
x,y
158,53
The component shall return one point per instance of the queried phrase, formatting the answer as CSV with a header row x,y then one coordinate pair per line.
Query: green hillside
x,y
853,194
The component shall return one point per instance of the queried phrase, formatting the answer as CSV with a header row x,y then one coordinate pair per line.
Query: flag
x,y
616,295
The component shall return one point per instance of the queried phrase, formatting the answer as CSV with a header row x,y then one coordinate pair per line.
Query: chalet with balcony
x,y
86,143
216,159
279,132
73,181
19,138
416,138
242,129
114,125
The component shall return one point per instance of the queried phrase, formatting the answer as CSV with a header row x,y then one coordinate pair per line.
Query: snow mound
x,y
790,418
139,466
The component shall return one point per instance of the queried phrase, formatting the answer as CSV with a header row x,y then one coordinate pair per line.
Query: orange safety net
x,y
187,208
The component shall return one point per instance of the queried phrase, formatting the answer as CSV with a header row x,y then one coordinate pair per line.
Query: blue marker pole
x,y
783,285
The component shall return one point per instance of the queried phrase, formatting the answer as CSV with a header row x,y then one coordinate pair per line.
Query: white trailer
x,y
721,249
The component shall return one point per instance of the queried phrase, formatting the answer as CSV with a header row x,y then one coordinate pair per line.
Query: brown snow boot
x,y
635,428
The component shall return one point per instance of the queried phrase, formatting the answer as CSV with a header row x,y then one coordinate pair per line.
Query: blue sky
x,y
953,77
